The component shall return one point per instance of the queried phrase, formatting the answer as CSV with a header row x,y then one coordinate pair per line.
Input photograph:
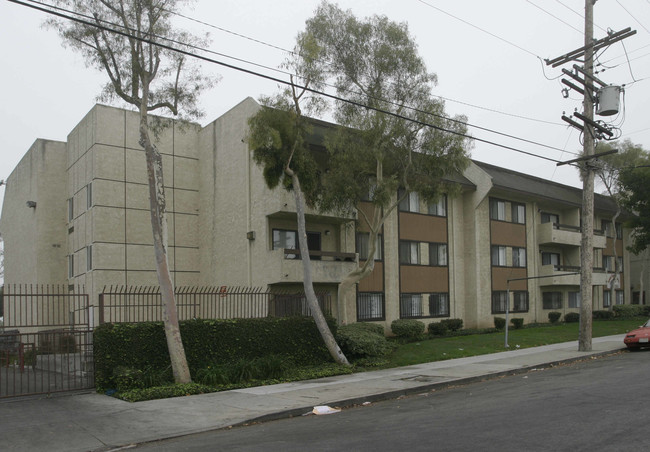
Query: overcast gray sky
x,y
487,55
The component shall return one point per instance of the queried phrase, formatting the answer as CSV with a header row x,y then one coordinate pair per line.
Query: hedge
x,y
143,346
363,340
407,329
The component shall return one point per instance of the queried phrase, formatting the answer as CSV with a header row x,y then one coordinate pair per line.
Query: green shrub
x,y
363,340
163,392
517,323
602,315
625,311
499,323
554,316
212,376
127,378
408,329
453,324
143,345
571,317
438,329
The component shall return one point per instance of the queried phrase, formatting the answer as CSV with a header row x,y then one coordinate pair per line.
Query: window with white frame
x,y
608,263
519,257
363,246
518,213
619,231
498,254
438,254
520,301
551,259
410,305
550,218
71,266
370,306
410,203
499,301
89,257
620,263
574,299
620,297
70,209
285,239
438,208
497,210
607,298
89,195
409,252
439,305
552,300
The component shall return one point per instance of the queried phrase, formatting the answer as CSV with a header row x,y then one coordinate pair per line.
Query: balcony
x,y
326,266
563,275
564,234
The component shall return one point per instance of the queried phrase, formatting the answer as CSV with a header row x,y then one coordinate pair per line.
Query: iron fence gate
x,y
46,341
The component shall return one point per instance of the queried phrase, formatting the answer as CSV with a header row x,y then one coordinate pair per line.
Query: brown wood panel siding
x,y
501,275
374,282
368,208
422,228
511,234
423,279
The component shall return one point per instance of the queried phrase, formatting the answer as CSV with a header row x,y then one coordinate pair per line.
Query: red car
x,y
638,338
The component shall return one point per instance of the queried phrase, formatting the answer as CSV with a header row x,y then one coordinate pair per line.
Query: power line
x,y
579,15
280,81
632,16
479,28
293,53
555,17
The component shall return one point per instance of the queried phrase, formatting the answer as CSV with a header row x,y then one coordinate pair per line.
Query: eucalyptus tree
x,y
393,132
119,37
609,170
279,136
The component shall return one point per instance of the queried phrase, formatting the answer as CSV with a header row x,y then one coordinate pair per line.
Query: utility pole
x,y
586,243
590,131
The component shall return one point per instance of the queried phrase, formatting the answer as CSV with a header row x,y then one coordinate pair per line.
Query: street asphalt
x,y
96,422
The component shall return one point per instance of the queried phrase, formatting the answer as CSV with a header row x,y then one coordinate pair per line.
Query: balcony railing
x,y
566,234
321,255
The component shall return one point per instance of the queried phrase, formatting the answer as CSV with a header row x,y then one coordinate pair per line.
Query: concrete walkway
x,y
90,421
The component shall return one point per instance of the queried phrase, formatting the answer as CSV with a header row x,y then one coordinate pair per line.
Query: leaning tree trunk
x,y
312,302
159,227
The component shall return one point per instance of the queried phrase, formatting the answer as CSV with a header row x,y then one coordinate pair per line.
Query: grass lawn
x,y
438,349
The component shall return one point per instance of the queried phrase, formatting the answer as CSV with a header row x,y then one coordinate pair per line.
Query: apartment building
x,y
466,256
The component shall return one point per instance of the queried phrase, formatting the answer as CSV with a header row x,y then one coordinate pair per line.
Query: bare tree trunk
x,y
317,314
159,228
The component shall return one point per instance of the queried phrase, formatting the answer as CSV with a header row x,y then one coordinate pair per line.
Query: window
x,y
409,252
608,263
519,257
71,266
439,305
438,208
410,203
620,297
607,298
285,239
552,300
574,299
70,209
410,305
89,196
620,264
619,231
438,254
498,256
497,210
551,259
521,301
606,226
499,301
518,213
363,246
370,306
550,218
89,257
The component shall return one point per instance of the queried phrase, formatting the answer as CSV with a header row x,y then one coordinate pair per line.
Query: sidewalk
x,y
93,421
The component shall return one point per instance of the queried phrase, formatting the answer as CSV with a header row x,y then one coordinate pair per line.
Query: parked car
x,y
638,338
